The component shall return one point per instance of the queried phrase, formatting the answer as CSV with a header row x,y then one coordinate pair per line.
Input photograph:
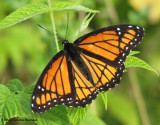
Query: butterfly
x,y
93,63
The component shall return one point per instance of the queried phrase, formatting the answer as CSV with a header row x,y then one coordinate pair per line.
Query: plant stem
x,y
53,25
138,97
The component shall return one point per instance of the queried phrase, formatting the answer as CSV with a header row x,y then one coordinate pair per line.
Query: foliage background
x,y
25,49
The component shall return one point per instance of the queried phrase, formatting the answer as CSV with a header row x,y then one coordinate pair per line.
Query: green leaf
x,y
86,21
133,53
23,13
72,6
132,61
16,103
123,109
54,116
31,10
76,115
92,119
14,85
104,97
29,90
84,24
12,104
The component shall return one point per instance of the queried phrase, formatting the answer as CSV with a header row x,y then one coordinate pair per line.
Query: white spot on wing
x,y
137,27
39,87
32,105
118,29
130,26
33,97
42,89
126,47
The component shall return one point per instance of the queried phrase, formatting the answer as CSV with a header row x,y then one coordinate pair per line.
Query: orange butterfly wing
x,y
54,86
104,52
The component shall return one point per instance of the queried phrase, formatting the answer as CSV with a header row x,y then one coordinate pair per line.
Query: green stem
x,y
138,97
53,25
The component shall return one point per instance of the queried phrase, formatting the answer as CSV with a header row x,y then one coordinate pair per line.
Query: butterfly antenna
x,y
67,25
47,30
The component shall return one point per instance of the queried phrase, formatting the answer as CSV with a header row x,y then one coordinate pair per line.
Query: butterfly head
x,y
65,42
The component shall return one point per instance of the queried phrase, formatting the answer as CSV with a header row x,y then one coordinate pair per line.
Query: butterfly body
x,y
73,53
71,50
93,63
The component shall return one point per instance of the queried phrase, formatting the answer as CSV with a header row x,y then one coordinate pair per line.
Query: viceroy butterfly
x,y
93,63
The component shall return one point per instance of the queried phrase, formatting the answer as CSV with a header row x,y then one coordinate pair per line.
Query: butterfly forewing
x,y
104,52
55,85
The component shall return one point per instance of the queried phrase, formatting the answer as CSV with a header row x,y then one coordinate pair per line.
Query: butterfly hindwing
x,y
55,85
105,75
105,50
85,91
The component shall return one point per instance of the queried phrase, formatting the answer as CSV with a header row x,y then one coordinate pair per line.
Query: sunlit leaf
x,y
133,53
132,61
104,97
23,13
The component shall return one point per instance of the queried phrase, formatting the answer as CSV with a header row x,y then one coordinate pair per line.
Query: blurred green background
x,y
25,49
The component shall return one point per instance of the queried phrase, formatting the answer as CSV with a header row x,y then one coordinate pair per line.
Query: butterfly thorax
x,y
70,50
